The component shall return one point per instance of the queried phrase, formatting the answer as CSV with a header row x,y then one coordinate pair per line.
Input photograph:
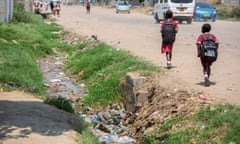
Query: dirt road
x,y
139,34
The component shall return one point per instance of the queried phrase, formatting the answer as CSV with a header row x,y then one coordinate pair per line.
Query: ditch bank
x,y
148,101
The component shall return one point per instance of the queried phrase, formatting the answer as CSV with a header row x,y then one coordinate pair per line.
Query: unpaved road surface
x,y
24,119
138,33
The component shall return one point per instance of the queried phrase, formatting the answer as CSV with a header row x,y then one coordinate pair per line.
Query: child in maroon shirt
x,y
167,47
206,28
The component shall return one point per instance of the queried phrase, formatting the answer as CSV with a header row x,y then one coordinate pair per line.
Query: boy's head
x,y
206,28
168,14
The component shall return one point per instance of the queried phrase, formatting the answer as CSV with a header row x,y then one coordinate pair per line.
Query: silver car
x,y
123,6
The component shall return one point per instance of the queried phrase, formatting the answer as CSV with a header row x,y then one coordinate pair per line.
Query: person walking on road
x,y
202,53
57,9
169,28
88,6
52,7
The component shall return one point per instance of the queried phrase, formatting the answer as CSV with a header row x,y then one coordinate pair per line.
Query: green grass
x,y
60,103
212,124
228,12
103,67
19,67
88,138
22,42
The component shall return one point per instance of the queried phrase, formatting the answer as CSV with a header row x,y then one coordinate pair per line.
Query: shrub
x,y
236,12
60,103
19,14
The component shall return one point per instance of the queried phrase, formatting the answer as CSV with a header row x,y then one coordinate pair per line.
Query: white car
x,y
123,6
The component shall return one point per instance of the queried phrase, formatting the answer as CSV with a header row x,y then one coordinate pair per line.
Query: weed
x,y
103,67
60,103
22,42
19,13
213,124
88,138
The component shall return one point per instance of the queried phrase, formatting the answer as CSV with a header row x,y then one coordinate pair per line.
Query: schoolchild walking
x,y
207,50
169,28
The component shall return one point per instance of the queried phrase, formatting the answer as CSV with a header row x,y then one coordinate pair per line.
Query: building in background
x,y
231,2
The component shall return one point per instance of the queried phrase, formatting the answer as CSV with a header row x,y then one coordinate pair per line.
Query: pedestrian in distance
x,y
57,9
169,28
52,7
46,5
88,6
207,50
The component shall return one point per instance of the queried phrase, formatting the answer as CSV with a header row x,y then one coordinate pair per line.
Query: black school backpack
x,y
208,49
168,32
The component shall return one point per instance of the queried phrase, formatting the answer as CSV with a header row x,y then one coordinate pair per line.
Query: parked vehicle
x,y
204,11
123,6
182,10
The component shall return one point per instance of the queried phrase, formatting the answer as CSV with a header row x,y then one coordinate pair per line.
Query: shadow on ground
x,y
19,119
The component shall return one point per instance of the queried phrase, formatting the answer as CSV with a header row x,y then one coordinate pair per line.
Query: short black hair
x,y
206,28
168,14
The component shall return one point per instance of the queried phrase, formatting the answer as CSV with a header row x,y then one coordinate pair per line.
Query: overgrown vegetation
x,y
212,124
103,67
22,42
228,12
60,103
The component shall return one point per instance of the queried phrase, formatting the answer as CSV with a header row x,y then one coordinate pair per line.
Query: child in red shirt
x,y
167,47
206,28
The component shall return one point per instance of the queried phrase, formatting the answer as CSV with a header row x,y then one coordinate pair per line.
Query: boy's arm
x,y
216,41
198,43
198,50
176,26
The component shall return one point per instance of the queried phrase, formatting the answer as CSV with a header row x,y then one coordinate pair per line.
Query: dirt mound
x,y
168,101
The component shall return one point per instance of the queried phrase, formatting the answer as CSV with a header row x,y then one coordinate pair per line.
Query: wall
x,y
6,11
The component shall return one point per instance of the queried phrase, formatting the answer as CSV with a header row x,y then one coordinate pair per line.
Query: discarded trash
x,y
123,139
106,138
202,127
202,97
55,80
115,139
80,73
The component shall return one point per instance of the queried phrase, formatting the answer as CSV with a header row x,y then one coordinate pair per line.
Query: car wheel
x,y
189,21
156,18
195,19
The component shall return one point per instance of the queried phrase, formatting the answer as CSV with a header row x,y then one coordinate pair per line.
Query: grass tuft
x,y
103,67
212,124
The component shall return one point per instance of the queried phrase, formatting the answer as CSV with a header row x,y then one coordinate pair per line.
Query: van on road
x,y
182,10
